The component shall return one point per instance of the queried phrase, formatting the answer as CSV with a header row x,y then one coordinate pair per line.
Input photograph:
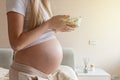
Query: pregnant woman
x,y
31,29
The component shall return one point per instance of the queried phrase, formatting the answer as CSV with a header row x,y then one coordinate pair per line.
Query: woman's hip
x,y
24,72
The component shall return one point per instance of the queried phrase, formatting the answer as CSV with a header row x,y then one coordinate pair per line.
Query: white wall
x,y
101,23
3,25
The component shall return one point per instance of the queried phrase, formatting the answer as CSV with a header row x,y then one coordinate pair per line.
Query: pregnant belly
x,y
46,56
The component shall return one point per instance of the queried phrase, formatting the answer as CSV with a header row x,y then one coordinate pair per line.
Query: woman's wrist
x,y
45,25
48,23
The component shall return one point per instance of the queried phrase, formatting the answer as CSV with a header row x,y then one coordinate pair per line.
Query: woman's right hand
x,y
57,23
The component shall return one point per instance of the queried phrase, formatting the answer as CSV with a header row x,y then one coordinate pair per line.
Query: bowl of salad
x,y
73,22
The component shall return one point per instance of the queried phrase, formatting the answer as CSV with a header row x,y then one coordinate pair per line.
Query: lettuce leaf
x,y
73,22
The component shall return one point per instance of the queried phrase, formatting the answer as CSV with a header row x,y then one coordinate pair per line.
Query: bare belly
x,y
46,56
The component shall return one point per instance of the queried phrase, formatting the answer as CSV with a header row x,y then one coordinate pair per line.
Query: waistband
x,y
45,37
29,70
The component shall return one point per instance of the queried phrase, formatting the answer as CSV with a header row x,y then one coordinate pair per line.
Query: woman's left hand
x,y
67,29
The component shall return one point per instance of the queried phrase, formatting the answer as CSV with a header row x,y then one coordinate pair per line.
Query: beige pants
x,y
24,72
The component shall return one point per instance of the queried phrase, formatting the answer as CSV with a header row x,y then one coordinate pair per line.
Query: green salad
x,y
74,22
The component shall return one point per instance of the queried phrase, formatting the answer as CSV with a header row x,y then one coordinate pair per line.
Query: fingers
x,y
71,24
67,29
59,23
63,16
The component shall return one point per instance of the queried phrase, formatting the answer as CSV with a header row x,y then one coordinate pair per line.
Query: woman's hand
x,y
57,23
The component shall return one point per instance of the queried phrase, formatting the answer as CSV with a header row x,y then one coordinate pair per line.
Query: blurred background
x,y
98,37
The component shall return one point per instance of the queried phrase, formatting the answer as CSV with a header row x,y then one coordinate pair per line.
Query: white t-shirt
x,y
23,7
18,6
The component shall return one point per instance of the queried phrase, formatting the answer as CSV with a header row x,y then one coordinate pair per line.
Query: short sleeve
x,y
18,6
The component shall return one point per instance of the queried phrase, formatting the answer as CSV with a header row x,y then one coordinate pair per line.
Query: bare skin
x,y
45,56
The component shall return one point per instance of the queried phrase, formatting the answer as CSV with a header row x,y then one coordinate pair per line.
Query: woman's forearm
x,y
28,37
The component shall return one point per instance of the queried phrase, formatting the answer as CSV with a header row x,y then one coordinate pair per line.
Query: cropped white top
x,y
23,7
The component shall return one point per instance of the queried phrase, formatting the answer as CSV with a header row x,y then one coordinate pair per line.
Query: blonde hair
x,y
37,16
